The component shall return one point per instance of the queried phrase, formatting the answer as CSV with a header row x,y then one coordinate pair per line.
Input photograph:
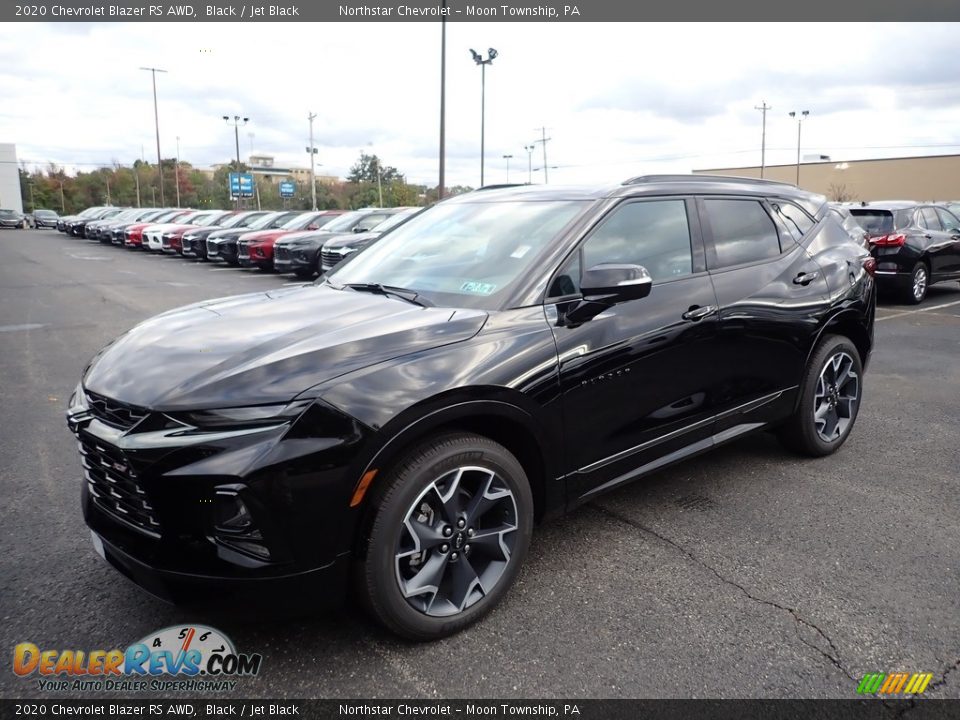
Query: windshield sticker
x,y
520,251
478,288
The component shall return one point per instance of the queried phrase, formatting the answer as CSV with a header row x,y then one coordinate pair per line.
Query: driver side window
x,y
651,233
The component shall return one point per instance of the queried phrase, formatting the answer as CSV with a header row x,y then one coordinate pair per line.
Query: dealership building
x,y
10,198
929,178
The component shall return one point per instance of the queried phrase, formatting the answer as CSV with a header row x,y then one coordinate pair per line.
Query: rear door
x,y
951,226
771,294
939,243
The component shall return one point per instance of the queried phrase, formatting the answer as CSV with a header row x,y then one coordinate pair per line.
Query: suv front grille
x,y
114,487
331,258
280,253
243,250
113,413
212,249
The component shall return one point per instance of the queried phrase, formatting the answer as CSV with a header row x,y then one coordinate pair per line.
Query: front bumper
x,y
153,497
289,260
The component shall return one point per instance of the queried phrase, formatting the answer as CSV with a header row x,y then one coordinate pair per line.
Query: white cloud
x,y
617,99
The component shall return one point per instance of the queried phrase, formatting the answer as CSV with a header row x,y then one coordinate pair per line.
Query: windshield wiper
x,y
403,293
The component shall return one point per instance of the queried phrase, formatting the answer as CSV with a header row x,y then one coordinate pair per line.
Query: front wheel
x,y
829,399
451,528
304,274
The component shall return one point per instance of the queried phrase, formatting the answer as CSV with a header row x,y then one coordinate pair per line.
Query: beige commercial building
x,y
934,177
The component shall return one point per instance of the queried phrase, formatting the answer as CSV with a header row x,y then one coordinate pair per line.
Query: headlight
x,y
78,401
250,416
348,250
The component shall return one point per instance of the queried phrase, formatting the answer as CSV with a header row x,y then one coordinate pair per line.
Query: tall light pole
x,y
530,148
478,59
508,158
763,135
313,151
443,101
176,173
800,116
379,180
156,122
236,122
543,141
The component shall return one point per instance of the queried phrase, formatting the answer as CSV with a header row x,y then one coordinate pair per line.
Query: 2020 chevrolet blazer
x,y
501,357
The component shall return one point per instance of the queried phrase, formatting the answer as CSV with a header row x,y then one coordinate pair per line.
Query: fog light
x,y
234,526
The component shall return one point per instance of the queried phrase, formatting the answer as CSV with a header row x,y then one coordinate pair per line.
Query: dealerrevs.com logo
x,y
189,658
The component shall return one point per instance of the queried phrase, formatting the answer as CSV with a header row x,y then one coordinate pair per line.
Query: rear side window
x,y
796,220
928,216
743,232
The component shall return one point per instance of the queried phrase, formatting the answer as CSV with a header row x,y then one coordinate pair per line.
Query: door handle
x,y
805,278
927,235
696,312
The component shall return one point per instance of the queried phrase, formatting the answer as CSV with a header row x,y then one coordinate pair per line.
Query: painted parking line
x,y
920,310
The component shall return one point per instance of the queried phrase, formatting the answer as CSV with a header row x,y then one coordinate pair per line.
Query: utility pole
x,y
544,140
156,122
443,100
177,171
108,191
63,203
313,151
379,181
763,135
800,116
507,158
530,148
236,137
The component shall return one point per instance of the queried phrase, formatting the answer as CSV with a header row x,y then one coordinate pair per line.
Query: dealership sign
x,y
241,185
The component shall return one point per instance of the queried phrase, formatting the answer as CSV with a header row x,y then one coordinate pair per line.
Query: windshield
x,y
300,222
266,221
396,219
462,254
208,220
44,213
344,222
881,222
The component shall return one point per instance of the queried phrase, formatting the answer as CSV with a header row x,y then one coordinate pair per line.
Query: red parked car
x,y
171,239
133,234
255,249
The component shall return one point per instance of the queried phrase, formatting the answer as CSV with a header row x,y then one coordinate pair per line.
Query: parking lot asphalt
x,y
747,572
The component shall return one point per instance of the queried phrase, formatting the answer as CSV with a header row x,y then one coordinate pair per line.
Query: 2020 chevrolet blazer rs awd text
x,y
504,356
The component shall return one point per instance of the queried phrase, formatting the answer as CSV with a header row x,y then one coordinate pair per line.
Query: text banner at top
x,y
487,11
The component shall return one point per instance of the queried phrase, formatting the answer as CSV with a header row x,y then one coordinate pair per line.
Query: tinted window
x,y
796,220
929,219
653,234
875,222
742,233
948,219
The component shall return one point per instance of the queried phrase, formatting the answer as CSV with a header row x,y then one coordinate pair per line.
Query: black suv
x,y
915,245
500,358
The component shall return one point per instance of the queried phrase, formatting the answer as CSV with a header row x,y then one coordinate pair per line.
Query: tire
x,y
304,274
434,488
824,417
915,292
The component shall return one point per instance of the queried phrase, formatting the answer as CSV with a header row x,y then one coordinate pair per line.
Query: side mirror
x,y
605,285
611,284
311,226
360,229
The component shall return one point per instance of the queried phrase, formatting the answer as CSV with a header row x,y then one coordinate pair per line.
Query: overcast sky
x,y
617,99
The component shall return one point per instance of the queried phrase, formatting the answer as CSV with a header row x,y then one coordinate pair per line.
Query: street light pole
x,y
313,151
177,171
236,136
478,59
508,158
544,140
763,136
156,123
530,148
800,118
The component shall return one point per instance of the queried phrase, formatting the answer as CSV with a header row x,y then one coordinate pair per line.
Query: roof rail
x,y
498,187
641,179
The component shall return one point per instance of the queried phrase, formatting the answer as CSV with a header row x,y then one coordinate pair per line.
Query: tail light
x,y
891,240
870,265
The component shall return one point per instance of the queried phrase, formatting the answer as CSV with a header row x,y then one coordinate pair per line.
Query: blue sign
x,y
287,189
241,184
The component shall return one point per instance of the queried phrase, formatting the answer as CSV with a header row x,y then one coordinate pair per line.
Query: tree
x,y
365,171
839,193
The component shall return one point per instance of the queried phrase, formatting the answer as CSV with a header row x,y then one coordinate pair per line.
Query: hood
x,y
259,235
265,348
227,234
179,228
353,239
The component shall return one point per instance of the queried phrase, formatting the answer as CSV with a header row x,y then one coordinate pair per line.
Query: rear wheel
x,y
451,528
916,291
829,399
